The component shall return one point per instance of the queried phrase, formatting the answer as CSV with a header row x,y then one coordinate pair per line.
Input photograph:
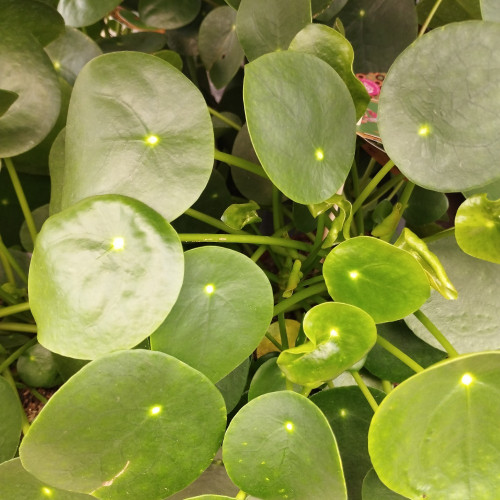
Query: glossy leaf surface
x,y
330,46
70,52
477,228
216,322
349,416
168,14
220,49
471,322
384,365
269,25
273,457
104,275
386,282
174,422
10,421
31,117
296,89
340,335
431,146
440,427
78,14
137,127
379,30
17,484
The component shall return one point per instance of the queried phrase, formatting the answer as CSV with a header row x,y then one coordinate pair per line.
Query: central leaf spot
x,y
209,289
466,379
47,491
354,274
362,13
424,130
319,154
289,426
155,410
152,140
334,333
343,413
57,65
118,243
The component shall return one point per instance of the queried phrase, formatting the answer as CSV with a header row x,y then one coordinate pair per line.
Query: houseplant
x,y
156,277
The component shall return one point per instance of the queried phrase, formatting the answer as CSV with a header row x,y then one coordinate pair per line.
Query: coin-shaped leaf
x,y
441,428
386,282
340,335
294,88
477,228
136,424
218,320
77,14
168,14
430,136
138,127
105,273
280,446
10,421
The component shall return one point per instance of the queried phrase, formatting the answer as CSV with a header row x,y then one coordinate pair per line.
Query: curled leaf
x,y
239,215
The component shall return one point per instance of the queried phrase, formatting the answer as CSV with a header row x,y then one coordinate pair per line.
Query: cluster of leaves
x,y
214,244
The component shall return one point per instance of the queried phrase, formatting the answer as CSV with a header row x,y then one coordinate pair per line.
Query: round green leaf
x,y
37,367
492,189
70,52
40,215
220,50
253,186
104,275
471,322
17,484
32,77
477,228
280,446
386,282
34,17
379,30
293,88
56,169
10,421
233,385
330,46
385,366
135,424
171,57
449,11
218,320
168,14
77,13
490,10
269,25
425,206
375,489
349,415
340,335
441,428
137,42
431,137
138,127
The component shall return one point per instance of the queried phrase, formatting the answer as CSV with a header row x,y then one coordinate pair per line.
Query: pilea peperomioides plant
x,y
242,276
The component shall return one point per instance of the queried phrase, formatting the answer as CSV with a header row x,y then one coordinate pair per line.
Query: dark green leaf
x,y
78,14
477,228
105,250
386,282
218,321
315,147
168,14
431,137
7,99
10,422
36,367
160,424
375,489
449,11
171,57
425,206
269,25
138,127
440,427
293,453
233,385
137,42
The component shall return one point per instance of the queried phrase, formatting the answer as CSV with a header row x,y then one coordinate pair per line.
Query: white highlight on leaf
x,y
334,333
110,482
155,410
319,154
424,130
152,140
47,491
466,379
289,426
209,289
118,243
354,274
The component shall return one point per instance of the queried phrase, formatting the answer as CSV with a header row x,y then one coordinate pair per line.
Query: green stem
x,y
297,297
8,269
371,186
306,391
273,341
442,234
241,495
278,220
244,238
13,357
212,221
318,241
404,358
240,162
17,268
312,281
360,224
224,119
260,251
330,384
364,389
17,327
21,198
17,308
283,334
33,391
405,196
24,419
397,180
368,171
7,297
429,18
387,386
433,329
